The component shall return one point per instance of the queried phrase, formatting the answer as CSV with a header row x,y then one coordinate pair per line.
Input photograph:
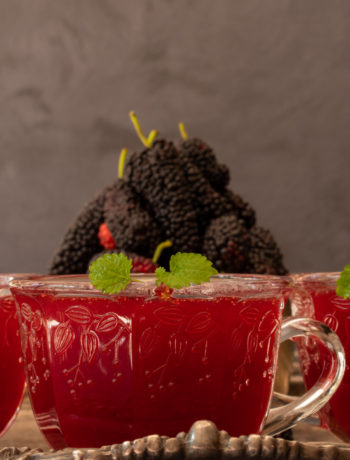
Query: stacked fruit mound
x,y
169,198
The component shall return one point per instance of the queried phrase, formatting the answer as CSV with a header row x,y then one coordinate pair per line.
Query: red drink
x,y
104,369
12,379
321,302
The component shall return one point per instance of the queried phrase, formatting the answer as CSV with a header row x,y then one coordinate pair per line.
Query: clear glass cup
x,y
12,381
314,296
102,369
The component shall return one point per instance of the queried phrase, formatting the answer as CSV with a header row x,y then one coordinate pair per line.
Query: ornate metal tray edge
x,y
203,442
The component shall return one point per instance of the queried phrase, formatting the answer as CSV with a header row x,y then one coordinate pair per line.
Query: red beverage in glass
x,y
12,380
316,297
102,369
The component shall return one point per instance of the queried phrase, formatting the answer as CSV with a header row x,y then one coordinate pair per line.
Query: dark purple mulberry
x,y
224,244
201,155
131,225
235,249
81,240
156,175
264,255
241,208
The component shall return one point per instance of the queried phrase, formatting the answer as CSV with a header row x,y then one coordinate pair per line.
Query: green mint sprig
x,y
343,283
186,268
111,272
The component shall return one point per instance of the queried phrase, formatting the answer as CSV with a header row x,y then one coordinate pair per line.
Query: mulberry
x,y
241,208
234,248
105,237
139,264
81,240
143,265
224,243
207,202
131,225
203,173
203,156
264,255
156,176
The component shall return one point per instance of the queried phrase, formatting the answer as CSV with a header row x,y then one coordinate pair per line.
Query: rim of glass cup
x,y
220,285
5,278
315,279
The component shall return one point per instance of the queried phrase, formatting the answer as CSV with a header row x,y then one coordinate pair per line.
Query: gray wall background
x,y
266,83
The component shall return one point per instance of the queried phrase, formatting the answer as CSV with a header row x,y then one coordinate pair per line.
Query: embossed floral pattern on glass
x,y
11,367
145,362
315,297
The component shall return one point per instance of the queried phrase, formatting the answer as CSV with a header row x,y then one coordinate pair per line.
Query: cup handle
x,y
282,418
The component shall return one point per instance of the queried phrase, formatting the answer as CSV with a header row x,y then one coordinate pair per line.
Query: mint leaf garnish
x,y
186,268
110,273
343,283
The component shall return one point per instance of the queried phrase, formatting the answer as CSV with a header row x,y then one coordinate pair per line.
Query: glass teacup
x,y
103,368
315,296
12,381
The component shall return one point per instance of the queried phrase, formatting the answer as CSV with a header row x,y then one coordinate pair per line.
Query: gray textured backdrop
x,y
266,83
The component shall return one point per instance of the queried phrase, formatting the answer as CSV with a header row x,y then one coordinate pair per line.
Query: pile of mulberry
x,y
177,192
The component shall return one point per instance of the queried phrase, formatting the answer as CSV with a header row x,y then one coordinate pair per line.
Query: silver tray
x,y
203,442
